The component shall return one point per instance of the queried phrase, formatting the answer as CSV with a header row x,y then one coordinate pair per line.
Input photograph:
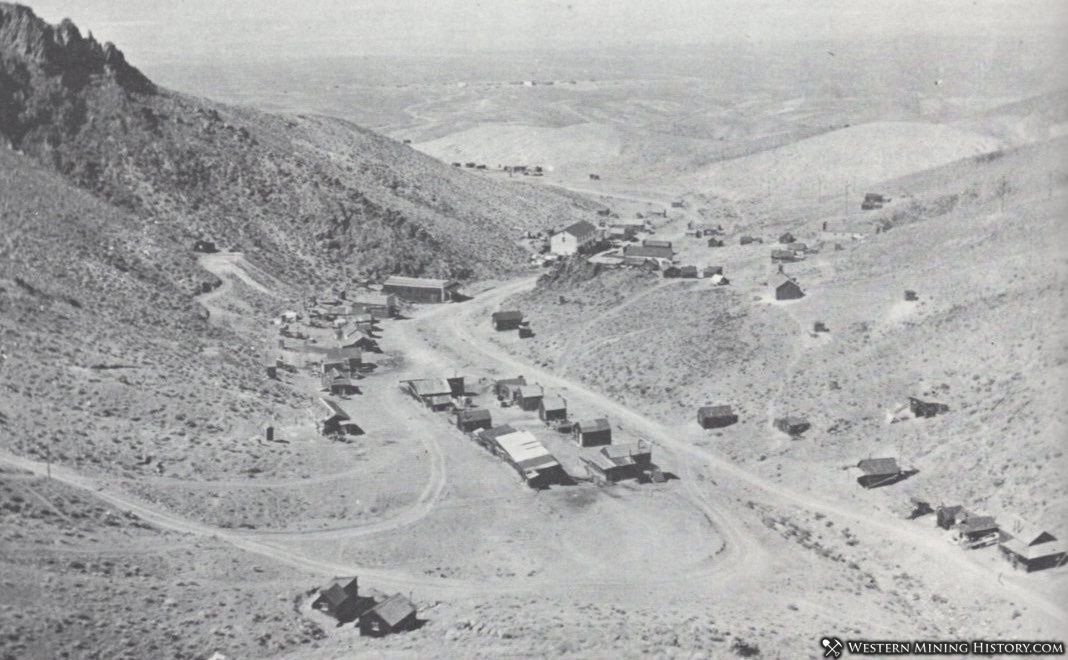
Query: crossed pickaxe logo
x,y
832,647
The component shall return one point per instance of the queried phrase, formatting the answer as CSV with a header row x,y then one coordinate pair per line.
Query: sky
x,y
151,31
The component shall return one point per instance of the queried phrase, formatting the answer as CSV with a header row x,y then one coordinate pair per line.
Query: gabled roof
x,y
553,403
497,431
1025,532
530,391
715,411
333,409
1029,552
430,386
508,315
580,229
593,425
394,609
624,454
522,447
474,414
335,595
879,466
778,279
418,282
974,524
648,251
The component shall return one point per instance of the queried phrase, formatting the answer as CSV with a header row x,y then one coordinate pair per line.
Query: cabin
x,y
910,296
528,397
948,516
748,240
613,463
206,247
819,326
787,238
339,384
421,290
640,253
792,425
1031,548
595,177
784,287
689,272
715,242
434,393
340,599
473,419
709,271
552,409
344,360
394,614
376,303
975,532
926,408
530,458
335,421
715,417
878,472
506,320
574,239
525,332
592,432
678,204
504,388
873,201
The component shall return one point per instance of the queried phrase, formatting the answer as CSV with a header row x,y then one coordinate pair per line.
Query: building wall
x,y
563,244
417,294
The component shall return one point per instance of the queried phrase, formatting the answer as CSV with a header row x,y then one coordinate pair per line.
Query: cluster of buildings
x,y
375,613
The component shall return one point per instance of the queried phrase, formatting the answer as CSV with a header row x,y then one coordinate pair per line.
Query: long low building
x,y
421,290
530,458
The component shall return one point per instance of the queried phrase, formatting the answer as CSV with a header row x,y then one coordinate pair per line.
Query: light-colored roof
x,y
593,425
394,609
553,403
417,282
530,391
474,414
778,279
430,386
522,446
507,315
333,408
879,466
715,411
1017,547
1024,531
369,297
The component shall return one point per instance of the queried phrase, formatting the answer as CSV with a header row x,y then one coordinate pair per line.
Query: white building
x,y
574,238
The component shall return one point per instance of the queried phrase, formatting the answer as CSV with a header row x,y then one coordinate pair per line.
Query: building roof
x,y
1030,552
530,391
593,425
974,524
333,409
652,242
625,454
334,595
879,466
553,403
648,251
430,386
363,297
1025,532
518,380
497,431
580,229
342,353
715,411
508,315
778,279
394,609
474,415
418,282
522,446
438,399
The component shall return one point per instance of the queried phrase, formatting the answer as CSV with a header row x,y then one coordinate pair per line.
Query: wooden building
x,y
376,303
421,290
714,417
507,320
504,388
340,599
877,472
612,463
592,432
342,359
472,419
429,391
528,397
335,421
975,532
926,408
339,383
552,409
784,287
574,239
1031,548
530,458
394,614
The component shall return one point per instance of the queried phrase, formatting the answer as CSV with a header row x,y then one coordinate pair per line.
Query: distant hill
x,y
305,195
857,155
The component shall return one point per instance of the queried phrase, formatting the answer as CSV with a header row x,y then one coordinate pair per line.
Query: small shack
x,y
714,417
205,247
505,387
948,516
613,463
592,432
785,287
335,421
975,532
787,238
342,359
472,419
552,409
785,256
525,332
339,383
340,599
792,425
715,242
748,240
434,393
507,320
879,472
926,408
911,296
394,614
528,397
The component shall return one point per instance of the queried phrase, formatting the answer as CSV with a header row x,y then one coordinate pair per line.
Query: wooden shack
x,y
472,419
592,432
394,614
792,425
879,472
552,409
714,417
506,320
926,408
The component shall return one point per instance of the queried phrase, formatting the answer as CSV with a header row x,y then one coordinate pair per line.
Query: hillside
x,y
306,195
856,156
